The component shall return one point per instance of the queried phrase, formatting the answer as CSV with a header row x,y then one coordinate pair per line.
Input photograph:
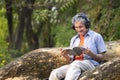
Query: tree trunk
x,y
46,38
9,19
23,22
20,31
32,38
39,63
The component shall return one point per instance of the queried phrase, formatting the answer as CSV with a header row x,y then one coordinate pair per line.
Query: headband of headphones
x,y
83,16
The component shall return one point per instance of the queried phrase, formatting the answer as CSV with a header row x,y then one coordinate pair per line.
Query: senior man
x,y
92,56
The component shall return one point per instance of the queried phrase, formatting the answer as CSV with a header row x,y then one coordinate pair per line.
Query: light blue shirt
x,y
93,41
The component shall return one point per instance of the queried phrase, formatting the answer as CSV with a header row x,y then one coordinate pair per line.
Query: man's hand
x,y
98,57
65,54
87,51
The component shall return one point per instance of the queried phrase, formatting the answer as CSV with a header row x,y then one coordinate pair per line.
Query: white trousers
x,y
71,71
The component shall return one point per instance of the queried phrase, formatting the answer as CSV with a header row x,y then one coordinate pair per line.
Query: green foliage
x,y
4,56
109,24
68,5
1,3
105,20
56,15
64,33
42,17
51,13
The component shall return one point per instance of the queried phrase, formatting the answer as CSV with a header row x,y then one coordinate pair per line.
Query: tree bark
x,y
20,31
39,63
9,19
24,15
46,37
32,38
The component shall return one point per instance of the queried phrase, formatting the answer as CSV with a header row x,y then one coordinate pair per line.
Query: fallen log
x,y
39,63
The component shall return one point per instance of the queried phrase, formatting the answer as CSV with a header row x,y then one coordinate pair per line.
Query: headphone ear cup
x,y
73,27
87,24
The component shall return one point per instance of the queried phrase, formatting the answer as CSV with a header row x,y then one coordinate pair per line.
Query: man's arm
x,y
98,57
101,49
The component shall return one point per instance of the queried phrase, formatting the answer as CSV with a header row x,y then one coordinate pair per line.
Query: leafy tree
x,y
4,55
28,12
31,24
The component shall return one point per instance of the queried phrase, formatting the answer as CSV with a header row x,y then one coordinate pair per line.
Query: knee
x,y
75,63
54,72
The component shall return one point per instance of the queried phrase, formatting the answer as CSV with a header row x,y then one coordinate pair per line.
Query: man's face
x,y
80,28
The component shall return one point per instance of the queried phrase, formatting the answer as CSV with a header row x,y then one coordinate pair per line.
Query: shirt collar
x,y
87,34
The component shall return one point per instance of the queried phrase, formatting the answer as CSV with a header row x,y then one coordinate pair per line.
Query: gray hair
x,y
80,17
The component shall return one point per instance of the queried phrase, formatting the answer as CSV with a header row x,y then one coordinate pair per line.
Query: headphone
x,y
87,23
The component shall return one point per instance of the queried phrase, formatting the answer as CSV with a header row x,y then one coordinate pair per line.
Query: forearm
x,y
98,57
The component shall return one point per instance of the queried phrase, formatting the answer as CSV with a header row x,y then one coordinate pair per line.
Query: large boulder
x,y
107,71
37,65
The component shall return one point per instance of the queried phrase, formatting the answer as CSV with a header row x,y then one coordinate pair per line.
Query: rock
x,y
107,71
37,65
113,49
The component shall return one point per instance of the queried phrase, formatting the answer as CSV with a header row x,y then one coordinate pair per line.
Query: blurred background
x,y
26,25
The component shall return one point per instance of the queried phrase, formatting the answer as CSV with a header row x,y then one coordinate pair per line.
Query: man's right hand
x,y
65,54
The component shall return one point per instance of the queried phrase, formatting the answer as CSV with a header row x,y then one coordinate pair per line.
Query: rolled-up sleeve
x,y
101,48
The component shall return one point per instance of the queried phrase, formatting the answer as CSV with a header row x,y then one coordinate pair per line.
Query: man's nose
x,y
79,29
